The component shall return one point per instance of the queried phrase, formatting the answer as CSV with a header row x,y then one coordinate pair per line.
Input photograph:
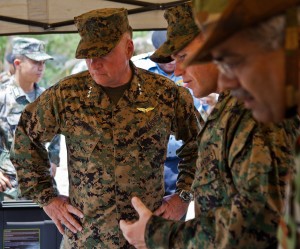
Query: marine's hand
x,y
172,208
60,211
4,182
134,232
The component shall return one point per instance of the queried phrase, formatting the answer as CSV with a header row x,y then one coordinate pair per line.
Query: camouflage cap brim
x,y
237,17
171,46
86,50
39,56
181,30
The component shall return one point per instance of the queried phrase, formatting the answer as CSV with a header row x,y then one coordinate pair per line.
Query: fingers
x,y
61,212
4,182
160,211
140,207
74,210
124,224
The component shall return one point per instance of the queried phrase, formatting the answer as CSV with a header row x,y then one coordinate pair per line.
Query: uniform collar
x,y
18,92
220,105
135,94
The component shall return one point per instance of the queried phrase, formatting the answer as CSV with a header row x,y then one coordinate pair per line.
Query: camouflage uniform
x,y
241,16
239,183
4,77
114,151
12,102
171,169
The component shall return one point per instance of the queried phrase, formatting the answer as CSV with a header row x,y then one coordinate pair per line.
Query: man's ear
x,y
129,48
17,62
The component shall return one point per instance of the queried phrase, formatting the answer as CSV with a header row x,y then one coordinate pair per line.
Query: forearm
x,y
30,159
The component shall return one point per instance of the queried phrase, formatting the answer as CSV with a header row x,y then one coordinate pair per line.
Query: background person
x,y
241,171
5,75
22,88
116,119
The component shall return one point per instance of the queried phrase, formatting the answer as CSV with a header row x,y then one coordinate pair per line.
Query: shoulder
x,y
156,80
6,88
74,81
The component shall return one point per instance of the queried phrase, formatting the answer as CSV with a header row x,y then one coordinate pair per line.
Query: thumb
x,y
139,206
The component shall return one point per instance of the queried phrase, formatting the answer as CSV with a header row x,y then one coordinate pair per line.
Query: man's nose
x,y
95,62
227,83
178,70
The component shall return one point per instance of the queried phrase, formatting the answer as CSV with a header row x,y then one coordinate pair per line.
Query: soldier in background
x,y
29,57
5,75
116,119
241,171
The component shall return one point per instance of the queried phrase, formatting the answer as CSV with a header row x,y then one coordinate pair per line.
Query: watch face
x,y
186,196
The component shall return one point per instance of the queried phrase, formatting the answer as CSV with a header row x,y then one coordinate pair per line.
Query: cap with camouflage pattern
x,y
207,12
100,31
30,47
181,30
236,16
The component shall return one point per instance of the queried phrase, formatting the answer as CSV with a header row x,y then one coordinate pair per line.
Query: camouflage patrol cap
x,y
237,15
181,30
208,12
32,48
100,31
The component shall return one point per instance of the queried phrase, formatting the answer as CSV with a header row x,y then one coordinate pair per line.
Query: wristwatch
x,y
186,196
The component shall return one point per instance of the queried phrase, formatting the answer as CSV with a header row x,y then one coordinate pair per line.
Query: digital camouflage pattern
x,y
115,152
4,77
13,100
32,48
100,31
240,183
184,33
289,229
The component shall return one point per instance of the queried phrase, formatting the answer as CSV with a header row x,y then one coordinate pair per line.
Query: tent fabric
x,y
56,16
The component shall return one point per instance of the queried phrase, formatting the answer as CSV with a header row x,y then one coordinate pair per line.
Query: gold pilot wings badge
x,y
145,109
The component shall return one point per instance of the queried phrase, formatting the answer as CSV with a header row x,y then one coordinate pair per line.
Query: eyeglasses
x,y
225,68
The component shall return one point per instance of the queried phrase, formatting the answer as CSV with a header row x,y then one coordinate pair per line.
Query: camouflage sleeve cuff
x,y
45,200
158,232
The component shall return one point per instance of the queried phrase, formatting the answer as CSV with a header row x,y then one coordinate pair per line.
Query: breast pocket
x,y
152,138
81,139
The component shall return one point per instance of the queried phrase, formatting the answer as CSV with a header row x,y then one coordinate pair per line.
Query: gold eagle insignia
x,y
145,109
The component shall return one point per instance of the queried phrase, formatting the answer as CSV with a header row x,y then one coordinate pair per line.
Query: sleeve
x,y
259,171
186,127
54,149
37,126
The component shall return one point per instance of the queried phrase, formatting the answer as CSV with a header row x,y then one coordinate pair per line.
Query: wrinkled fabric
x,y
240,183
115,152
289,228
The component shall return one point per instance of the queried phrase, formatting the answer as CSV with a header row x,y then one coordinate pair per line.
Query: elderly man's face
x,y
113,70
254,74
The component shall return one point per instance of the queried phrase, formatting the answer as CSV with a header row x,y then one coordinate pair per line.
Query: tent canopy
x,y
56,16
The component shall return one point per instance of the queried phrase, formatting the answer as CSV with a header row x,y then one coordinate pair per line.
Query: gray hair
x,y
269,34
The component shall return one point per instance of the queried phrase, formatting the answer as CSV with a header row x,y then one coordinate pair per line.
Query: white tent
x,y
55,16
